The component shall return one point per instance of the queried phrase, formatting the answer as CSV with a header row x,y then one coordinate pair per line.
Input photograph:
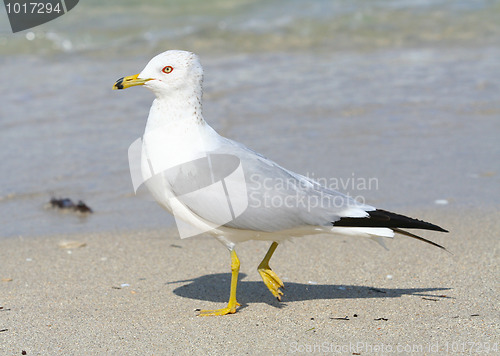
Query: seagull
x,y
223,188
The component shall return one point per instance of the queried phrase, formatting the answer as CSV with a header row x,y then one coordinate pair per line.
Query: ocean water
x,y
402,94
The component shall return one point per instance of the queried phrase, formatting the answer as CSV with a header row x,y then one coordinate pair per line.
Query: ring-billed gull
x,y
221,187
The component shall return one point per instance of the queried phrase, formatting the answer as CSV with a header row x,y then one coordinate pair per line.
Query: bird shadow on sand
x,y
215,288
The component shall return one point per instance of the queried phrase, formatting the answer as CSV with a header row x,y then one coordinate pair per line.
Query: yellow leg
x,y
231,306
271,279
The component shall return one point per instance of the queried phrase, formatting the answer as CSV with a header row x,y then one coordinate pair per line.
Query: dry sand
x,y
136,293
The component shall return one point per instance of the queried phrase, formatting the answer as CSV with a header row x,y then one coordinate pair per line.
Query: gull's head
x,y
169,72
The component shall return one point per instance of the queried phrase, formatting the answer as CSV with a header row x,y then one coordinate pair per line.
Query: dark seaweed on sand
x,y
66,203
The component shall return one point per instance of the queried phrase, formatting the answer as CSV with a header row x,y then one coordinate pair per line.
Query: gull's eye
x,y
167,69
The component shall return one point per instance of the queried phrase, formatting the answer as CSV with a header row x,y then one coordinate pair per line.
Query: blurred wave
x,y
279,25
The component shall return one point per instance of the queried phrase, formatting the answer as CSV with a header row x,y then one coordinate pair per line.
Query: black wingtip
x,y
396,222
409,234
383,218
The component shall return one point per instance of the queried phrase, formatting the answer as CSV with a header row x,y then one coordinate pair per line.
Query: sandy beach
x,y
136,293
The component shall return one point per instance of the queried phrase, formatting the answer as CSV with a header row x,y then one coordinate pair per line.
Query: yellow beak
x,y
130,81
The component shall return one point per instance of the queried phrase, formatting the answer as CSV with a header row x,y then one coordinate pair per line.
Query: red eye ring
x,y
167,69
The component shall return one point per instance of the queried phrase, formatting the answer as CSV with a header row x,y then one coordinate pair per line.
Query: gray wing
x,y
239,188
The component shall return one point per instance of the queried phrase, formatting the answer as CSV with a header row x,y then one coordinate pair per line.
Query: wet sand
x,y
136,293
